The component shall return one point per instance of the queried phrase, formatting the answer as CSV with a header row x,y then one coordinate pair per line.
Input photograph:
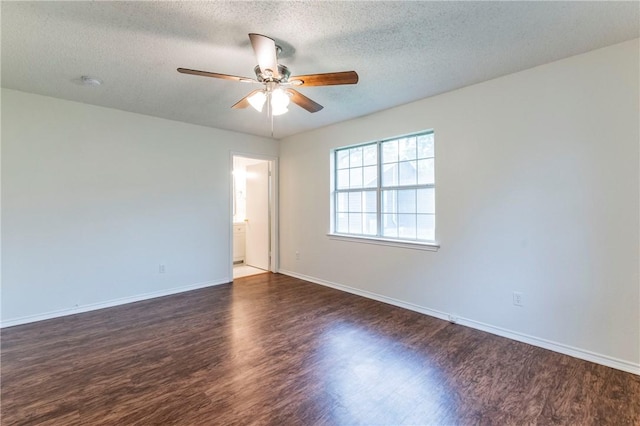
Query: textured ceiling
x,y
403,51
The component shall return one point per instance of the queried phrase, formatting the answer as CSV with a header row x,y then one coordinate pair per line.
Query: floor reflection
x,y
374,380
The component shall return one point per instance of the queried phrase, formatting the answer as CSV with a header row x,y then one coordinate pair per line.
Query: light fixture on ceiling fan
x,y
278,99
277,92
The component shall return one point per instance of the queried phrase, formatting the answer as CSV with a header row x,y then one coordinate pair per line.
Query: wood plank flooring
x,y
275,350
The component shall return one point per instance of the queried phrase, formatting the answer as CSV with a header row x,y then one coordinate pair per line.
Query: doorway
x,y
253,216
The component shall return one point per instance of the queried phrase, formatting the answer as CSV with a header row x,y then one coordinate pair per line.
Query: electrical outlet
x,y
161,269
297,255
518,298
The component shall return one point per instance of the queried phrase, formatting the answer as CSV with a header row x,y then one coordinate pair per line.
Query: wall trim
x,y
109,303
583,354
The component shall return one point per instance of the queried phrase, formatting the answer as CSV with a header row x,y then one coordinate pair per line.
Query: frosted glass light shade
x,y
257,100
279,111
279,100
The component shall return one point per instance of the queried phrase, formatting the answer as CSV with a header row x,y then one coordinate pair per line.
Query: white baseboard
x,y
109,303
583,354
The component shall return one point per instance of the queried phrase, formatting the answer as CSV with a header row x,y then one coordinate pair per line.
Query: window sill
x,y
415,245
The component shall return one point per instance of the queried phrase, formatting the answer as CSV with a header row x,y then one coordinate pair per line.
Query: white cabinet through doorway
x,y
239,242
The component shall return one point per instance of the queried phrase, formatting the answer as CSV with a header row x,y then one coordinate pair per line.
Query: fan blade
x,y
328,79
244,102
301,100
265,50
216,75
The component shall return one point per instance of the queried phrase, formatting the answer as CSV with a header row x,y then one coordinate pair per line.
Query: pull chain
x,y
270,111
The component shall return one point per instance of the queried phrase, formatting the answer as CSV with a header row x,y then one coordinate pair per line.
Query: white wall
x,y
95,199
537,178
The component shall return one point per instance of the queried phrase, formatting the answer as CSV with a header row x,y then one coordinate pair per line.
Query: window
x,y
386,189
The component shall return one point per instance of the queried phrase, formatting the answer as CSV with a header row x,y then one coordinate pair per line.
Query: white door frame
x,y
274,241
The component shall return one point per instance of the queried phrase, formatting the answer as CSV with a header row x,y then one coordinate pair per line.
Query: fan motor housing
x,y
282,70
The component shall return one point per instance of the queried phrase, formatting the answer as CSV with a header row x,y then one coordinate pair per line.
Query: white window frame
x,y
378,239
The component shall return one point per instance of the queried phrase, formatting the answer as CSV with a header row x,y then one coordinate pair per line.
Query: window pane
x,y
355,202
407,148
389,201
389,225
343,179
407,201
425,146
407,173
425,171
370,177
370,225
426,227
370,154
369,202
342,202
426,201
342,160
407,226
390,174
355,223
355,176
390,152
355,157
342,223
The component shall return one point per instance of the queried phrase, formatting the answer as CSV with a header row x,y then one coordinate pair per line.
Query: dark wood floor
x,y
271,349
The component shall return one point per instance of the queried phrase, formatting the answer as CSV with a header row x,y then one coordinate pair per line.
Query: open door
x,y
254,211
257,216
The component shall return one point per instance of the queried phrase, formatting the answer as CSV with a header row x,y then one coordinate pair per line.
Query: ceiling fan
x,y
277,81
